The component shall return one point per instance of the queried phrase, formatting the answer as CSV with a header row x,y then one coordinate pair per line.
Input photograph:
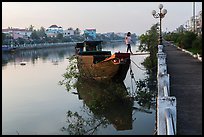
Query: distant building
x,y
121,34
198,23
90,33
189,25
17,33
108,34
68,32
53,30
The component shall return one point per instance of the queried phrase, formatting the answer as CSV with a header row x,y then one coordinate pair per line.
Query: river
x,y
34,103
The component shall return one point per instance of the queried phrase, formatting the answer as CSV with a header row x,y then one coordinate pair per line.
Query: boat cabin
x,y
88,47
93,49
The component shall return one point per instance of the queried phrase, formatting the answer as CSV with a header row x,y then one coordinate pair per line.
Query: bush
x,y
197,44
188,39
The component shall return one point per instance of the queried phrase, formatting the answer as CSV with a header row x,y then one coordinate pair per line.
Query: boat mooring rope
x,y
140,67
137,65
132,78
132,75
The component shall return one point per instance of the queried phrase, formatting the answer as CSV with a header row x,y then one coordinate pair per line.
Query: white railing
x,y
166,105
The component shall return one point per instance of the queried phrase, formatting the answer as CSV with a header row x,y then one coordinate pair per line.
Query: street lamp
x,y
160,15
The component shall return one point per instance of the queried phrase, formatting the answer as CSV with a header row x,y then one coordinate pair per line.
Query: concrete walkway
x,y
186,85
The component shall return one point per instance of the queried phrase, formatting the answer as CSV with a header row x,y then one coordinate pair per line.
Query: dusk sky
x,y
115,17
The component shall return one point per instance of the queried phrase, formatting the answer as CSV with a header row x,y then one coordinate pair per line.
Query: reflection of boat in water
x,y
101,65
107,99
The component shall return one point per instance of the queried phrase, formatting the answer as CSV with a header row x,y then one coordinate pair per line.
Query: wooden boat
x,y
101,65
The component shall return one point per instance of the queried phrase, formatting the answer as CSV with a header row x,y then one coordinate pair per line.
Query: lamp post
x,y
160,15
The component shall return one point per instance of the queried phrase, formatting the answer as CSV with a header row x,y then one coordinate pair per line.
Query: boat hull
x,y
104,67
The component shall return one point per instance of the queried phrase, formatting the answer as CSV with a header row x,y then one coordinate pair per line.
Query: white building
x,y
53,30
68,32
198,23
17,33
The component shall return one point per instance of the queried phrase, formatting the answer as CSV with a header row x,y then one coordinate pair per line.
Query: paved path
x,y
186,85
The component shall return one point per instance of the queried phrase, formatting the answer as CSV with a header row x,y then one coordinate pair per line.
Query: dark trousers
x,y
129,48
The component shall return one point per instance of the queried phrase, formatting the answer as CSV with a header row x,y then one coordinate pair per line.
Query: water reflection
x,y
52,54
35,97
107,100
107,103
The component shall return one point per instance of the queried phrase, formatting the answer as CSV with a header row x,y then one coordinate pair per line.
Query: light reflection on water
x,y
34,103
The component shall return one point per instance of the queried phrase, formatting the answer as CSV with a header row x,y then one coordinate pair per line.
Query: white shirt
x,y
127,40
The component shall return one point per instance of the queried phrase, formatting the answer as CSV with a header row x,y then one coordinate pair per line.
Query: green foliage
x,y
150,64
176,37
3,36
197,45
60,36
20,41
149,42
186,40
147,89
34,35
41,33
71,74
78,125
146,93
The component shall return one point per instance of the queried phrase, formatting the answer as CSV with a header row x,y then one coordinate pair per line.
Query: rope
x,y
140,67
132,76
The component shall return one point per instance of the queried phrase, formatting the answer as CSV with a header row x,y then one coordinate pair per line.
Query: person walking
x,y
128,41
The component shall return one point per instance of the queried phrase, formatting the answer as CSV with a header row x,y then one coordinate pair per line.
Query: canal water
x,y
34,103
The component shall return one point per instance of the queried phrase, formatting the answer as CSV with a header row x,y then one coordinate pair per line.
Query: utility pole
x,y
194,17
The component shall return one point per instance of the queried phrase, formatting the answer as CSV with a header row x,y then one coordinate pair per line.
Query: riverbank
x,y
42,45
48,45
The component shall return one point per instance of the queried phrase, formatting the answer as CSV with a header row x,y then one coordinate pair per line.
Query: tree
x,y
41,33
34,35
77,31
3,36
149,42
188,38
59,36
31,28
70,28
197,44
20,41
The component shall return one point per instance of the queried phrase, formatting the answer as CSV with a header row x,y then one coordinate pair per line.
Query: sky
x,y
115,17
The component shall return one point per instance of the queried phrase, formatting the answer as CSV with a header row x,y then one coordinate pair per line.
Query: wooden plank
x,y
141,53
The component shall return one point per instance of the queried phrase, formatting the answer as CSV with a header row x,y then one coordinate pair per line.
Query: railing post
x,y
164,103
